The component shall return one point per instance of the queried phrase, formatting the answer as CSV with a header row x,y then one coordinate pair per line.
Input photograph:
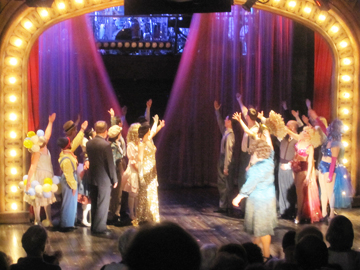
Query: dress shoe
x,y
102,233
67,229
220,210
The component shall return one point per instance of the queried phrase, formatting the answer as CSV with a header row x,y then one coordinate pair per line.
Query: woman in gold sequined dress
x,y
148,206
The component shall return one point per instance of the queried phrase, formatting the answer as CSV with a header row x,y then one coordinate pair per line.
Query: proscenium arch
x,y
27,24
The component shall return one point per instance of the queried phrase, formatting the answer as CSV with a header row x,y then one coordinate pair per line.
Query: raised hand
x,y
295,113
216,105
237,116
111,112
308,104
149,103
156,118
260,114
162,123
283,103
238,97
124,110
84,125
52,118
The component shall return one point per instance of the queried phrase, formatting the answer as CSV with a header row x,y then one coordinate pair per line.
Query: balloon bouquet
x,y
33,142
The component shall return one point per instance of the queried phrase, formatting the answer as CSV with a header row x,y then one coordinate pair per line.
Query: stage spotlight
x,y
323,4
248,5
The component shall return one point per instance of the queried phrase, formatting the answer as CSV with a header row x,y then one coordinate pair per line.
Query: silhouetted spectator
x,y
163,246
208,254
340,235
227,261
33,242
255,266
235,249
123,244
311,253
309,230
254,254
288,245
5,261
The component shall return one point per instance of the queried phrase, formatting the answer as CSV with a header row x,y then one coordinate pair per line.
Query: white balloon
x,y
40,133
35,148
56,180
21,185
58,192
35,139
39,189
54,188
25,177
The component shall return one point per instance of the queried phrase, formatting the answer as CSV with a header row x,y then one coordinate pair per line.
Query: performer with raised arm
x,y
250,116
259,188
224,183
334,180
69,182
308,204
40,169
148,206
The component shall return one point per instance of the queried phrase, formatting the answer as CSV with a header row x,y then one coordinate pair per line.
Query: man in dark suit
x,y
102,176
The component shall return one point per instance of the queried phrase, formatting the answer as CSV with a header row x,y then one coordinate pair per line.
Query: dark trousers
x,y
100,199
225,186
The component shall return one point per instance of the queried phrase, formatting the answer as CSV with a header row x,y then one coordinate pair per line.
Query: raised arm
x,y
243,108
79,137
292,134
298,120
147,111
48,129
237,116
153,130
313,115
219,120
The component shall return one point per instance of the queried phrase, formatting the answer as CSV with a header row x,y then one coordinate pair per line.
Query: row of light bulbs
x,y
12,61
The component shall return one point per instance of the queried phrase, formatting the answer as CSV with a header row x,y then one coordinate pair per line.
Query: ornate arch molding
x,y
26,24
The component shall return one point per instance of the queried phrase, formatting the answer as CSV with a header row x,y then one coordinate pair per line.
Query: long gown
x,y
148,207
260,212
130,178
44,169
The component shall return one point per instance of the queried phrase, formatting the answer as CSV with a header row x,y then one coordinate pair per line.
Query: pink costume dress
x,y
44,169
130,178
309,194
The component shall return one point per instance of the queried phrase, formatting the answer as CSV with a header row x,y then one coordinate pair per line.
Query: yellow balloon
x,y
32,197
31,133
25,182
28,144
46,188
48,181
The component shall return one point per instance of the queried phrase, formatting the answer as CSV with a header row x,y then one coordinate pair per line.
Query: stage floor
x,y
192,208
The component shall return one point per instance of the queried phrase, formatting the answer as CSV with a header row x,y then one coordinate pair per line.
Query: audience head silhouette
x,y
340,234
34,240
311,253
163,246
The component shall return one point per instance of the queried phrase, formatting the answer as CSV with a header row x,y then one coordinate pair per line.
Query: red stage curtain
x,y
33,88
323,67
226,53
72,80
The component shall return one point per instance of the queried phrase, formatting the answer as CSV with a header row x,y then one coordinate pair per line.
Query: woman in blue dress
x,y
259,188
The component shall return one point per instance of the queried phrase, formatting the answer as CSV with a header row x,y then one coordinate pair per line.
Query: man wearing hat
x,y
102,178
70,128
118,151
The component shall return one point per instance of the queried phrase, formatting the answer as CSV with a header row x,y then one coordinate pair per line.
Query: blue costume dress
x,y
260,213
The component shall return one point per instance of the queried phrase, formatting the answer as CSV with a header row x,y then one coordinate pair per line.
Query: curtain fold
x,y
33,88
72,80
323,67
226,53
